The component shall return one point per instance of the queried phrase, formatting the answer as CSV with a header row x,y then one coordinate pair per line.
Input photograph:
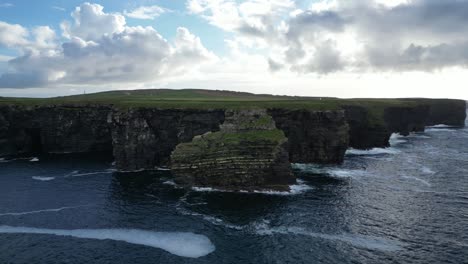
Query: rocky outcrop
x,y
248,153
314,136
143,138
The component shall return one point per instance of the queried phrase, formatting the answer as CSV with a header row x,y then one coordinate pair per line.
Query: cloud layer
x,y
341,35
277,36
99,48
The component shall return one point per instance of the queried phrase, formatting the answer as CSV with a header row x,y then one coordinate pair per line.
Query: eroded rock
x,y
248,153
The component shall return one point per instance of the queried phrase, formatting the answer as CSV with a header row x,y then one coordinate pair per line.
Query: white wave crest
x,y
418,135
368,242
32,159
427,170
417,179
298,188
396,139
331,171
441,126
374,151
440,129
41,178
77,174
178,243
43,211
211,219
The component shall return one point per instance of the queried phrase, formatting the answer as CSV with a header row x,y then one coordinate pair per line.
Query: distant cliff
x,y
144,137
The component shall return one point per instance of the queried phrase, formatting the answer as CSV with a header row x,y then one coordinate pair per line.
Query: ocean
x,y
404,204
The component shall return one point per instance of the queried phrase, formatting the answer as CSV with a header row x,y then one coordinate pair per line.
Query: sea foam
x,y
295,189
374,151
331,171
188,245
42,211
41,178
367,242
396,139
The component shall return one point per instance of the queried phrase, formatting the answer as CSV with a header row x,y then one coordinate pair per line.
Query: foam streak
x,y
181,244
43,211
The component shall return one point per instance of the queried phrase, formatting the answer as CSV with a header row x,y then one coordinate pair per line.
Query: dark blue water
x,y
406,204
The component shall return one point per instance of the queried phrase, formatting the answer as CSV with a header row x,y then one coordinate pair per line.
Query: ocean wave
x,y
417,179
182,244
426,170
418,135
367,242
436,129
295,189
374,151
41,178
78,174
211,219
440,126
396,139
42,211
331,171
31,159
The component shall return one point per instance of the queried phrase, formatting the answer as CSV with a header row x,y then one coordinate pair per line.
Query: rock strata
x,y
248,153
314,136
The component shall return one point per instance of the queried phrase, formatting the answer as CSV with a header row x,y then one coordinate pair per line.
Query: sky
x,y
339,48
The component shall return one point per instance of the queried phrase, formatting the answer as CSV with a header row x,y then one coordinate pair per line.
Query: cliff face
x,y
369,130
248,153
447,112
53,130
404,120
314,136
144,138
364,133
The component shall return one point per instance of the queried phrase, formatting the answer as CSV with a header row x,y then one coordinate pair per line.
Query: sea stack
x,y
248,153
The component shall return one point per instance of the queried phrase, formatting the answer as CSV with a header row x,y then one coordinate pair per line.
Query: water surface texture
x,y
406,204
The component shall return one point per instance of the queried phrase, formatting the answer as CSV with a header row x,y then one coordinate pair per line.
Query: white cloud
x,y
146,12
342,35
12,35
101,49
6,5
90,22
59,8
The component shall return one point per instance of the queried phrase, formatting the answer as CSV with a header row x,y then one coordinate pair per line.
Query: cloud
x,y
100,48
146,12
59,8
90,22
6,5
341,35
12,35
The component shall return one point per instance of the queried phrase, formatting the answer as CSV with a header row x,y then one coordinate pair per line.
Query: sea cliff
x,y
193,140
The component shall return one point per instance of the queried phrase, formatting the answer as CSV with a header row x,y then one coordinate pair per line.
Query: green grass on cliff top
x,y
200,99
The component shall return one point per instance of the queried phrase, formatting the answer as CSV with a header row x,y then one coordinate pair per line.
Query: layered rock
x,y
143,138
314,136
248,153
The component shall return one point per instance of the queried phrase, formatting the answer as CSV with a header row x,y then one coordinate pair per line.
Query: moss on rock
x,y
248,153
